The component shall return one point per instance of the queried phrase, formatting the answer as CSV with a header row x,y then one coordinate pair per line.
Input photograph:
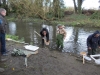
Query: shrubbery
x,y
95,15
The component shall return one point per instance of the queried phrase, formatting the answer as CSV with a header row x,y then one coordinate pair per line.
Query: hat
x,y
61,25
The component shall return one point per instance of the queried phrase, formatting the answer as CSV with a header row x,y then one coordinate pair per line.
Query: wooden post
x,y
26,62
83,60
83,54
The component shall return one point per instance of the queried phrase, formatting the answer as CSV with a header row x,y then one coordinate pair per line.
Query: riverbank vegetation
x,y
51,11
14,38
81,20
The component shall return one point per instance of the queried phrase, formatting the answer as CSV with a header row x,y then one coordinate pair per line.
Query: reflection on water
x,y
68,42
12,28
75,41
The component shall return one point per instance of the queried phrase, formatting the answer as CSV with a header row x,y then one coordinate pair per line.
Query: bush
x,y
96,15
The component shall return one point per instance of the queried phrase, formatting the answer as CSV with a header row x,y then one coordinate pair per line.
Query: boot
x,y
2,70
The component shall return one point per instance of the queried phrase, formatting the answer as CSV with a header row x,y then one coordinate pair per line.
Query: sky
x,y
87,4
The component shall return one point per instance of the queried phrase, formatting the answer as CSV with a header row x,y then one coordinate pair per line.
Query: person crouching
x,y
45,36
93,41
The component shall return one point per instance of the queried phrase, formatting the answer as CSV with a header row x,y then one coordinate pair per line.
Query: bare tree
x,y
75,7
78,6
36,8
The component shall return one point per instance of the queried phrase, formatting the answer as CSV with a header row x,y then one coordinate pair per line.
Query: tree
x,y
58,6
80,6
37,8
3,4
77,6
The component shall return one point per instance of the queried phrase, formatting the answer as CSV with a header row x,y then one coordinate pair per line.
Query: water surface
x,y
75,41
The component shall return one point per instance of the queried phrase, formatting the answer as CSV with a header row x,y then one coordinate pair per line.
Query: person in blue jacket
x,y
3,26
2,35
93,41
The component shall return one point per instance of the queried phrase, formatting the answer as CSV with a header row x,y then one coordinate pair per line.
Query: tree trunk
x,y
75,7
0,3
79,6
4,2
56,7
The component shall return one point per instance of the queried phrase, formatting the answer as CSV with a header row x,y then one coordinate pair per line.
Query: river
x,y
75,41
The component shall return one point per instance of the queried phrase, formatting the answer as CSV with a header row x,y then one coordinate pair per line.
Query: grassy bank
x,y
79,20
37,20
15,38
70,20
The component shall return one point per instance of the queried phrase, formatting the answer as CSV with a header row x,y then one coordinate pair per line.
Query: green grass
x,y
16,38
79,20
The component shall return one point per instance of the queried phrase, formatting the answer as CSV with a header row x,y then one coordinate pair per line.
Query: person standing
x,y
3,24
2,35
93,41
45,36
60,36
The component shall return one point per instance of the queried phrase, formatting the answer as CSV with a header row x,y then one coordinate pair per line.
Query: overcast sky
x,y
87,4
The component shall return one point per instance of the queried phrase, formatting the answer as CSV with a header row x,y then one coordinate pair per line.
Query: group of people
x,y
93,40
60,36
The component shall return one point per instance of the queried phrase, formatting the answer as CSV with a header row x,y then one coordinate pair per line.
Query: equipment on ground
x,y
29,50
85,57
96,58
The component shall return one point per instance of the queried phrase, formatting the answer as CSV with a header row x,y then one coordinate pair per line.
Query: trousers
x,y
91,51
3,43
59,40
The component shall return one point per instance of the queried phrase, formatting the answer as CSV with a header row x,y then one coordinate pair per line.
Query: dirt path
x,y
46,62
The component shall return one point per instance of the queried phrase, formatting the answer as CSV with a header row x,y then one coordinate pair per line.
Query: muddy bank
x,y
47,62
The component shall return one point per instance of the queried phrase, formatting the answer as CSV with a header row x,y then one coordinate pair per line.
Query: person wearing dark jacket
x,y
93,41
2,35
45,35
3,24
